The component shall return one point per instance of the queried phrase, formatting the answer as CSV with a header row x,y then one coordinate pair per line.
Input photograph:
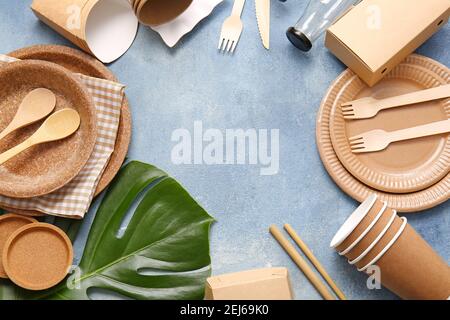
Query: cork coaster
x,y
37,256
44,168
79,62
9,223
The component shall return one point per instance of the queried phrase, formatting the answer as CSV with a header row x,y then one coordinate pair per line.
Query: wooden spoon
x,y
58,126
37,104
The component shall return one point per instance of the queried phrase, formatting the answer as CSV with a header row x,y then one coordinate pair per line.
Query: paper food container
x,y
413,270
103,28
157,12
261,284
376,35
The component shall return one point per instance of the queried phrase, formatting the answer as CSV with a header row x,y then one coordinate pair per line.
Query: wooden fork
x,y
369,107
377,140
232,28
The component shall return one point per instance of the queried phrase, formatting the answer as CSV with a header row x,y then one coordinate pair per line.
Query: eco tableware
x,y
405,166
158,12
45,167
355,225
78,62
302,264
37,256
37,104
358,252
263,18
9,223
59,125
232,28
312,258
316,18
377,140
369,107
103,28
410,267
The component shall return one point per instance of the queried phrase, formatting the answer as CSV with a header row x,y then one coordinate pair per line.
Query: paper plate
x,y
47,167
407,202
37,256
405,166
79,62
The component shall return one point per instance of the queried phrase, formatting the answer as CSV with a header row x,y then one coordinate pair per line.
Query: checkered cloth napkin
x,y
73,200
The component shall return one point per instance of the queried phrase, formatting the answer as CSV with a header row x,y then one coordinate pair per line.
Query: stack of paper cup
x,y
104,28
157,12
375,235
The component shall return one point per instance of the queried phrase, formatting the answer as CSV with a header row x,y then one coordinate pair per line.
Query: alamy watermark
x,y
228,147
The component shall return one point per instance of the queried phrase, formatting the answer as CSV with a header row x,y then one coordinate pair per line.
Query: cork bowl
x,y
47,167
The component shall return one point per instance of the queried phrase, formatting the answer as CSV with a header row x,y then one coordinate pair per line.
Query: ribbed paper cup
x,y
103,28
157,12
358,224
413,270
360,250
387,238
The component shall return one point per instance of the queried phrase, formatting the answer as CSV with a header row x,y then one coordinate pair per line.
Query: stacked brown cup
x,y
374,235
157,12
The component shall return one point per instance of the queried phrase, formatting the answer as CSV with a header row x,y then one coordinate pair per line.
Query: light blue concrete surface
x,y
277,89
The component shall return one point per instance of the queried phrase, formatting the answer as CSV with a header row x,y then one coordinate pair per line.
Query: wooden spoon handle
x,y
15,151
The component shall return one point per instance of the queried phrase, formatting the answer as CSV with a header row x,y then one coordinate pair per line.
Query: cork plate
x,y
405,166
37,256
47,167
79,62
407,202
9,223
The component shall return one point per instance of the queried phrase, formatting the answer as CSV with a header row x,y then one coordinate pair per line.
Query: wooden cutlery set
x,y
233,26
377,140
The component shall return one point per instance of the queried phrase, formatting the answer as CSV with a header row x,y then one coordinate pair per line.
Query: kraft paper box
x,y
376,35
261,284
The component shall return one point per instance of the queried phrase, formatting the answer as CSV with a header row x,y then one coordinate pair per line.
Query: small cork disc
x,y
9,223
37,256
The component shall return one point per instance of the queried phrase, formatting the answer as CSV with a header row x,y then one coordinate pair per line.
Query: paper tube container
x,y
359,222
413,270
103,28
157,12
375,234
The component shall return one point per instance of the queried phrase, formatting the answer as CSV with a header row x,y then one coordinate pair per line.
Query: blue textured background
x,y
281,88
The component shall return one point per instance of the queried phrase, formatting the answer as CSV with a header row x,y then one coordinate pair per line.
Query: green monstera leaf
x,y
163,253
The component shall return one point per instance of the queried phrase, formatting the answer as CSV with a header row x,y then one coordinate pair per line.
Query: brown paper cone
x,y
379,229
362,226
157,12
384,241
64,16
413,270
105,29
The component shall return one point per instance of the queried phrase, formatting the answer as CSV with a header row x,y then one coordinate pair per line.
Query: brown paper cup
x,y
375,234
103,28
413,270
157,12
363,227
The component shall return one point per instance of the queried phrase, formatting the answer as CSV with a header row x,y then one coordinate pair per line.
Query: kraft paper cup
x,y
157,12
358,224
412,269
383,242
366,244
103,28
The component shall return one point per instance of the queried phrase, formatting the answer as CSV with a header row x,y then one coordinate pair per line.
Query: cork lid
x,y
37,256
9,223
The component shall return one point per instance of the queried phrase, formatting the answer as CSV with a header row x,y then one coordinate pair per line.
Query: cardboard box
x,y
261,284
376,35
